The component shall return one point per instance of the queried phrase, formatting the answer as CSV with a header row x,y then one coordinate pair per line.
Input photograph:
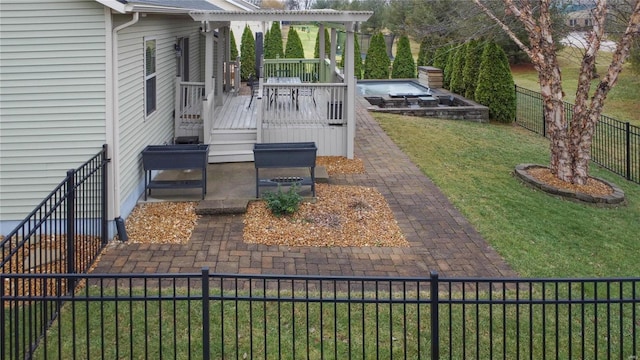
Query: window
x,y
572,22
149,76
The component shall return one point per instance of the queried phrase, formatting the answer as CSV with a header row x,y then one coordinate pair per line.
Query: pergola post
x,y
321,52
227,56
208,59
349,78
219,70
332,57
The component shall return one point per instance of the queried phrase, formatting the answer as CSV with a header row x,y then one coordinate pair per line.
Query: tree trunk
x,y
570,142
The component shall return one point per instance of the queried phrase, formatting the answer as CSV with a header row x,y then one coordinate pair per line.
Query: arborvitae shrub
x,y
327,44
457,82
234,46
273,43
495,87
422,53
357,58
294,48
440,57
428,47
247,54
471,66
403,65
376,63
448,67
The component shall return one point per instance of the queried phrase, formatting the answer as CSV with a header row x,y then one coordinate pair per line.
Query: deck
x,y
310,109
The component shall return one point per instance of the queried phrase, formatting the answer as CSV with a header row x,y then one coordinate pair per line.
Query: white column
x,y
321,52
333,50
350,110
227,57
208,62
207,121
219,73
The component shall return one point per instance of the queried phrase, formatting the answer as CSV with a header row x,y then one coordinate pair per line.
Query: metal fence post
x,y
71,202
3,348
544,122
627,128
105,194
206,347
435,321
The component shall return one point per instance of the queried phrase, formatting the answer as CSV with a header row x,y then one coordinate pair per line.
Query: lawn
x,y
538,235
279,324
622,103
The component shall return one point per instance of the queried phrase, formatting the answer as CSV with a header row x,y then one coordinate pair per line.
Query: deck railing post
x,y
70,226
435,326
206,347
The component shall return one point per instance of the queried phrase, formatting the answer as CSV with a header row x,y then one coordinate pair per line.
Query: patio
x,y
440,237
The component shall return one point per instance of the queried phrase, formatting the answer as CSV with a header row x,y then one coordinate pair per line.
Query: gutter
x,y
113,122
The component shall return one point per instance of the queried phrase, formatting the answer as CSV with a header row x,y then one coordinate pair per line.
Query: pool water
x,y
392,88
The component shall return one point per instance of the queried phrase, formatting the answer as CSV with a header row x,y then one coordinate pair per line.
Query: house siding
x,y
52,96
136,130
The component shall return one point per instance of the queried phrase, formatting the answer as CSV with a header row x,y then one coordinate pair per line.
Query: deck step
x,y
239,145
232,145
221,156
234,135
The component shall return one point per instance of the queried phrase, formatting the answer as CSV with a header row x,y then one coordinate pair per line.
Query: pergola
x,y
221,20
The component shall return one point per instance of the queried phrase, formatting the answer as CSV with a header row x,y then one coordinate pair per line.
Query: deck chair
x,y
254,84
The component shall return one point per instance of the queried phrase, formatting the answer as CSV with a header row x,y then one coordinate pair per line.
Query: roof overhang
x,y
157,7
325,15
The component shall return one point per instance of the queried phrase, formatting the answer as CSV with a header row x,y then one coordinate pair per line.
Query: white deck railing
x,y
188,108
297,105
307,70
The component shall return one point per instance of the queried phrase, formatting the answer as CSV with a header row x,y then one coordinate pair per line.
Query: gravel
x,y
340,216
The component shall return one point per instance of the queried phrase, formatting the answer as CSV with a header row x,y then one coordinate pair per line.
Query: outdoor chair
x,y
254,84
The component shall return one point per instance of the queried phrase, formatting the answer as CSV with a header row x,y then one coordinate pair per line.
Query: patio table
x,y
285,80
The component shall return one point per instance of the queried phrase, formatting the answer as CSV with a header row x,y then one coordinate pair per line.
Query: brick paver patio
x,y
440,237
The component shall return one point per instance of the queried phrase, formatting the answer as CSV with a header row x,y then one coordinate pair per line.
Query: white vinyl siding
x,y
52,96
136,132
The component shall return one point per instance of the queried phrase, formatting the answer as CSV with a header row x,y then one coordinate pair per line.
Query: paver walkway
x,y
440,237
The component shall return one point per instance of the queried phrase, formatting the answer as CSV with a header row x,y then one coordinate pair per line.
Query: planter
x,y
285,155
175,157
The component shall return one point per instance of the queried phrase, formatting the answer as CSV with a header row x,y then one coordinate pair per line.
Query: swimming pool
x,y
393,88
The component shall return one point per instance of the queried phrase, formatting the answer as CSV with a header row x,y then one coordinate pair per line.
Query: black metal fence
x,y
213,316
616,144
67,230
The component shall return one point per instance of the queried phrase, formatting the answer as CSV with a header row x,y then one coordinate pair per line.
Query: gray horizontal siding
x,y
52,96
136,131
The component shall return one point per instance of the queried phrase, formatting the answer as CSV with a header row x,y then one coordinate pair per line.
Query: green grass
x,y
622,103
333,329
538,235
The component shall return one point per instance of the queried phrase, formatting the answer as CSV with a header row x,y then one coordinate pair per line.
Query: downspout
x,y
115,113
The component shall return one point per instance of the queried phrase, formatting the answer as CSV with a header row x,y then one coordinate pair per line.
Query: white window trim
x,y
153,75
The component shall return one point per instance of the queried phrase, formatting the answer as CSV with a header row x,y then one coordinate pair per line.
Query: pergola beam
x,y
325,15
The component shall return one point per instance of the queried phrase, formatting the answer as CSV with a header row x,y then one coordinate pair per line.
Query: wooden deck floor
x,y
235,113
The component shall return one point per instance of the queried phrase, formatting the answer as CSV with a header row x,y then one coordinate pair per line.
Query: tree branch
x,y
506,29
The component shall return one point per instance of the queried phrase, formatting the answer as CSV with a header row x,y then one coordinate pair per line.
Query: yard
x,y
538,235
623,102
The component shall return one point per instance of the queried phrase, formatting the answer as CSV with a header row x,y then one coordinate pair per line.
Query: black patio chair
x,y
254,84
